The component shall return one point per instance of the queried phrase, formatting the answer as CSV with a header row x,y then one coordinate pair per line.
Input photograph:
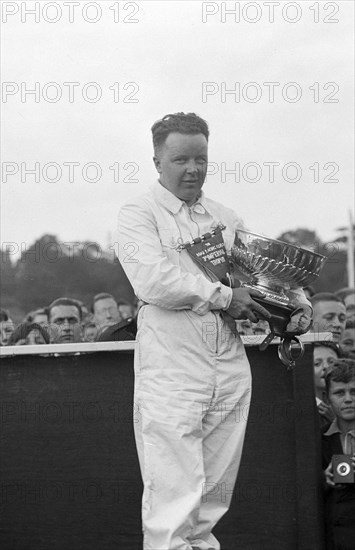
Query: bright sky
x,y
288,125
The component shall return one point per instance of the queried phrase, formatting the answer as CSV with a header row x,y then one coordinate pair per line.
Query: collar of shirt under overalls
x,y
173,203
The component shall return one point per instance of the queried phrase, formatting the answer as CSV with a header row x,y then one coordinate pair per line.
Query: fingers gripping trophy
x,y
270,270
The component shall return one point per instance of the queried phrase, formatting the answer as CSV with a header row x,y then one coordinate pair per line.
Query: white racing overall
x,y
192,377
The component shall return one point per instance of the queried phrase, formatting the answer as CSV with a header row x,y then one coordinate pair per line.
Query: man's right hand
x,y
243,306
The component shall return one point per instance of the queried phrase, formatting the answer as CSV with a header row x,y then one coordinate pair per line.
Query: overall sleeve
x,y
154,278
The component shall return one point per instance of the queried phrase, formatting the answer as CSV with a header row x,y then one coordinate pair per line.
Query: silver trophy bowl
x,y
273,267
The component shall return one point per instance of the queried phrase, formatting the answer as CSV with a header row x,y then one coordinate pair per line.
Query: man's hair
x,y
344,292
182,123
101,296
325,297
24,329
330,345
341,370
4,316
65,302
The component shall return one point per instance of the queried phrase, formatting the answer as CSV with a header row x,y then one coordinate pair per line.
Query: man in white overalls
x,y
192,376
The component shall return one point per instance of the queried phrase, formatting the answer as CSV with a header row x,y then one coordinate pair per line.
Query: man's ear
x,y
157,164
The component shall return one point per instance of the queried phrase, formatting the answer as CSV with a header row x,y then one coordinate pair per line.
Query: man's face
x,y
106,312
68,325
90,333
322,359
245,327
182,165
347,342
6,329
350,307
342,399
329,317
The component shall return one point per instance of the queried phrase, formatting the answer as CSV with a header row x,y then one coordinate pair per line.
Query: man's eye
x,y
180,160
201,161
342,318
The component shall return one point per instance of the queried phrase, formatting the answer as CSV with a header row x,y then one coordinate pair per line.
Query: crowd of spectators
x,y
67,320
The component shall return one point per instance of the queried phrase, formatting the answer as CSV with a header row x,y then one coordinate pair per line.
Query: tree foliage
x,y
48,270
333,275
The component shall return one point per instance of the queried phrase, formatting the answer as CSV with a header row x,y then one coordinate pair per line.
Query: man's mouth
x,y
66,338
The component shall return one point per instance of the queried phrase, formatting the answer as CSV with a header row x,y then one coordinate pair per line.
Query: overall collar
x,y
173,203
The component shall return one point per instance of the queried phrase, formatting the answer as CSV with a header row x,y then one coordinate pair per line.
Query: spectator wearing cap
x,y
329,314
65,321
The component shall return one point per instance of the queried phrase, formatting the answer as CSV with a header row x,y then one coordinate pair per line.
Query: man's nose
x,y
191,166
348,398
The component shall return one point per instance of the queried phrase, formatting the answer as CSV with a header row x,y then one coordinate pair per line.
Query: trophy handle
x,y
280,317
278,322
285,351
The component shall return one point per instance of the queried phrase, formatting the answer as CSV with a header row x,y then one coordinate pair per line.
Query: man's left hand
x,y
301,320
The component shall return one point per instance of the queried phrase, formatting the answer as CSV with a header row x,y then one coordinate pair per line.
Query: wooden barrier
x,y
70,474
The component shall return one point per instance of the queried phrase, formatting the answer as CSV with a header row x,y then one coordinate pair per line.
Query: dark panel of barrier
x,y
276,503
70,475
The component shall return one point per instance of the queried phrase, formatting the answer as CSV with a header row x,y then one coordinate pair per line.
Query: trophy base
x,y
276,304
